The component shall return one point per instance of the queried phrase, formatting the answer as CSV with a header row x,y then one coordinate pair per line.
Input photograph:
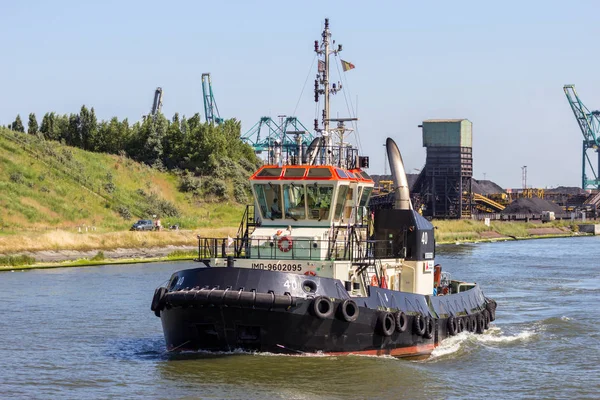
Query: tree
x,y
32,126
17,125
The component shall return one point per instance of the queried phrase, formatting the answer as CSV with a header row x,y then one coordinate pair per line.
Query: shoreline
x,y
81,258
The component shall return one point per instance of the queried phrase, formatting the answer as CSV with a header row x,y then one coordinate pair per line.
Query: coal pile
x,y
485,187
531,206
566,190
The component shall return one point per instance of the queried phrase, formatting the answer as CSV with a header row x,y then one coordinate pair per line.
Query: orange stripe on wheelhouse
x,y
418,350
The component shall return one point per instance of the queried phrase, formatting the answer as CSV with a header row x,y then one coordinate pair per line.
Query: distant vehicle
x,y
143,225
548,216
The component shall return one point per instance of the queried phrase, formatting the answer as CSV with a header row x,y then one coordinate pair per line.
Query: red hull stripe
x,y
397,352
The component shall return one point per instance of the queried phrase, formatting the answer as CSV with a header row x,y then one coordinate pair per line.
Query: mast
x,y
322,80
326,36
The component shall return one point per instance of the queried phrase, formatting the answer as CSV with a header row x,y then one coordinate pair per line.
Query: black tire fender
x,y
486,316
386,324
472,323
452,325
429,327
322,307
480,323
348,310
401,321
158,301
419,325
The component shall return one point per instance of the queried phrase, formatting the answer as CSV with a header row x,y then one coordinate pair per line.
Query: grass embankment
x,y
63,240
48,186
450,231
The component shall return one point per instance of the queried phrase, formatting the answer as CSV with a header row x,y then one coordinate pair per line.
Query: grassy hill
x,y
45,185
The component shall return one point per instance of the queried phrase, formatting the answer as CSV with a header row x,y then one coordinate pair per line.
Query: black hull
x,y
224,309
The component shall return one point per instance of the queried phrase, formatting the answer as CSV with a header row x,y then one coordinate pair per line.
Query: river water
x,y
89,333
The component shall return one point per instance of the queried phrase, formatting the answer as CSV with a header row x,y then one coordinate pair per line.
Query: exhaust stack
x,y
402,197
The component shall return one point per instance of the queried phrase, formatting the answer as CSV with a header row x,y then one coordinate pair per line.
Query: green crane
x,y
589,124
210,105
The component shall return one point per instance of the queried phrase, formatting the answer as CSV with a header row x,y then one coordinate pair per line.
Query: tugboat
x,y
313,270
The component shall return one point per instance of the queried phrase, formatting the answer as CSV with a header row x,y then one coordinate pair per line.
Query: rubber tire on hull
x,y
348,310
472,323
429,327
480,323
158,301
491,307
419,325
486,316
322,307
386,324
452,325
460,324
401,321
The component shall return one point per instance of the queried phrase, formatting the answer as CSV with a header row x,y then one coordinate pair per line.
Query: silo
x,y
444,184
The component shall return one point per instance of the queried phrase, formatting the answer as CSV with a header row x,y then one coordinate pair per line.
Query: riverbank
x,y
54,249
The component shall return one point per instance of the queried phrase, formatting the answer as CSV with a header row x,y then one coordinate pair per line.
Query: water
x,y
89,333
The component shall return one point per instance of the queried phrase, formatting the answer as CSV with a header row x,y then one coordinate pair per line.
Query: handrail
x,y
354,249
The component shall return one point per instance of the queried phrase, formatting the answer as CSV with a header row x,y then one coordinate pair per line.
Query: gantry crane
x,y
589,123
210,105
157,103
277,134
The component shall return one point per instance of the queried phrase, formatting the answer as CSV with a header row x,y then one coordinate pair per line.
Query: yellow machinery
x,y
488,205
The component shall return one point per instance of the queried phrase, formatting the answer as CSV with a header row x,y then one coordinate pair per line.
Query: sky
x,y
502,65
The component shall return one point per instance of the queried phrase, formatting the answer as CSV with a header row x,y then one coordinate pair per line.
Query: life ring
x,y
419,325
401,321
322,307
310,273
386,323
288,246
429,327
374,281
452,325
348,310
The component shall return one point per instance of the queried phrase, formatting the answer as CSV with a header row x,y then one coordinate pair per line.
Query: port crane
x,y
157,103
211,111
589,123
277,134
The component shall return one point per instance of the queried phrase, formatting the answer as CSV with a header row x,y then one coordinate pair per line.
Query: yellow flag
x,y
346,66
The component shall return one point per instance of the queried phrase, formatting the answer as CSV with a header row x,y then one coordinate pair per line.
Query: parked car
x,y
143,225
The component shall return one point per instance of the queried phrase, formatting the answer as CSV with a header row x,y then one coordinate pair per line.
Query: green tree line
x,y
177,144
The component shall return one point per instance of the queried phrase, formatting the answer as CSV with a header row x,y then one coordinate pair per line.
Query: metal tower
x,y
276,134
589,123
157,103
210,105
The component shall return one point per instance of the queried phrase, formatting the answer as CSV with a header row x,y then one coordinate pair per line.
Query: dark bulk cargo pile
x,y
531,206
485,187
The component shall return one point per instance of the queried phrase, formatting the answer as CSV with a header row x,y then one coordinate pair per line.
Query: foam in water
x,y
457,343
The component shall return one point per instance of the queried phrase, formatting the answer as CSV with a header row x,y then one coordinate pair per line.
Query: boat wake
x,y
466,342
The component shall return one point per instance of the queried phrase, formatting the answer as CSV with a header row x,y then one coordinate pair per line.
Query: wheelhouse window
x,y
294,172
319,201
340,200
268,198
270,172
294,198
364,199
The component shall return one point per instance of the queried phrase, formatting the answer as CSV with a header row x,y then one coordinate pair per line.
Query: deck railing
x,y
289,248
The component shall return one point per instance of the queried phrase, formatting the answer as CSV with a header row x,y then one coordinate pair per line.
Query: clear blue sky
x,y
502,65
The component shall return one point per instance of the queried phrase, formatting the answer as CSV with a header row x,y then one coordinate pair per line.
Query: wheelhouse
x,y
306,195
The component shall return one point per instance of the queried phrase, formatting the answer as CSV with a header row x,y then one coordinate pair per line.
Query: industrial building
x,y
443,188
